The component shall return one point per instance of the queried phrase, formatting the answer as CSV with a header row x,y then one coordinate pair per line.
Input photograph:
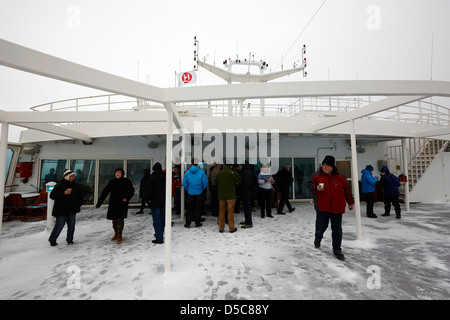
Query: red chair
x,y
15,206
39,208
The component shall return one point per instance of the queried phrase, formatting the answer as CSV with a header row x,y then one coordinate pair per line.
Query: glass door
x,y
303,169
282,163
135,173
344,168
106,173
85,177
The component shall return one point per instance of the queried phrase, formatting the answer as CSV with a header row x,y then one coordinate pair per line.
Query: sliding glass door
x,y
106,170
135,173
85,177
303,169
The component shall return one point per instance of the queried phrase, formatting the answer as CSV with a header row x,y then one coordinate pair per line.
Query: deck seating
x,y
14,204
39,208
16,208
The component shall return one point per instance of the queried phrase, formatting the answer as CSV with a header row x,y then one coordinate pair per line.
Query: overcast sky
x,y
149,40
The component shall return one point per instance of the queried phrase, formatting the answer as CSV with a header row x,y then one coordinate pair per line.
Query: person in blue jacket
x,y
391,193
194,182
368,189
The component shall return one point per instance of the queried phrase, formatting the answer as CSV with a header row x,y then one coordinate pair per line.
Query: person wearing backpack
x,y
391,193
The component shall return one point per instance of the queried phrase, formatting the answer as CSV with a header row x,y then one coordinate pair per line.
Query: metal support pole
x,y
405,172
3,149
168,227
355,185
183,160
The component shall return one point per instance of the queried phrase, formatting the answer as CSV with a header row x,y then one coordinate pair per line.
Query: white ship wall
x,y
434,185
137,147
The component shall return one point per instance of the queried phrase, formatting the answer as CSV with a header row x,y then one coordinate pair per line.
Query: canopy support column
x,y
405,172
168,224
183,160
355,185
3,149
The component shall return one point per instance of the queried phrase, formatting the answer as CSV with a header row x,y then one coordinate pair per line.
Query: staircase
x,y
420,153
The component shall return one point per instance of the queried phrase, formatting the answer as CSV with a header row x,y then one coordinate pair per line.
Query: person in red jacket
x,y
333,193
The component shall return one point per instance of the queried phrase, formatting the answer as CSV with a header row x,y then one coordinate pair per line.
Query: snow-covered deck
x,y
274,260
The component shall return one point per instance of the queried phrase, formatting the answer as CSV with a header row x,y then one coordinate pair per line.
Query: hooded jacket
x,y
368,181
284,180
389,181
336,193
195,180
118,189
155,188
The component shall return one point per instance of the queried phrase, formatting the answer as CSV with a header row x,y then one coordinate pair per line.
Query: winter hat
x,y
329,160
385,169
157,167
67,174
369,167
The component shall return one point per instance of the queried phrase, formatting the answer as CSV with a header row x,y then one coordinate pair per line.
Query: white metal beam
x,y
83,116
433,133
373,108
22,58
59,130
25,59
308,89
244,77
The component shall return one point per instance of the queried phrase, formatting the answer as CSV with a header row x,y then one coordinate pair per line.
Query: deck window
x,y
85,177
52,170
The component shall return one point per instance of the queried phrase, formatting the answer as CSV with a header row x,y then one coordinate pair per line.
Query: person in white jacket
x,y
265,183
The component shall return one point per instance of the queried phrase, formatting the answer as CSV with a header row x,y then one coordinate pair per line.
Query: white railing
x,y
419,155
422,112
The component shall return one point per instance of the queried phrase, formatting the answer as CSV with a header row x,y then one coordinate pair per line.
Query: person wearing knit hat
x,y
68,200
368,189
329,160
333,193
68,173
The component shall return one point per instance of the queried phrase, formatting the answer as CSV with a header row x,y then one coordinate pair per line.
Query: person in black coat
x,y
284,182
146,174
247,187
68,201
391,193
155,192
122,191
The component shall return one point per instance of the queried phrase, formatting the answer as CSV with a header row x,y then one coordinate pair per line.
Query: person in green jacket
x,y
226,181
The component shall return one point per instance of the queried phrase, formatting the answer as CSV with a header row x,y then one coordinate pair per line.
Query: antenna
x,y
305,74
196,49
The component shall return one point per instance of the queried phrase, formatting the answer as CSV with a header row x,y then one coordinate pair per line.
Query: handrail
x,y
419,155
428,113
